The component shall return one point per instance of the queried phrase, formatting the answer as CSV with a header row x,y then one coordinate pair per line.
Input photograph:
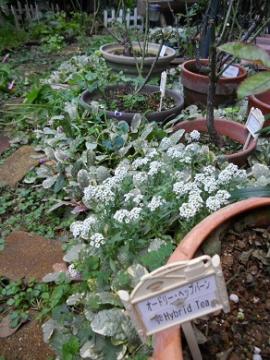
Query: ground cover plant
x,y
128,194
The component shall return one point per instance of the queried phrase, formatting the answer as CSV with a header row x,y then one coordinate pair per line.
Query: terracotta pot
x,y
225,127
196,85
127,64
262,102
167,344
161,116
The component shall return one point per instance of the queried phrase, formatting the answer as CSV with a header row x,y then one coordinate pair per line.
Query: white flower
x,y
151,153
231,172
139,178
155,203
195,135
210,184
73,273
76,228
125,216
87,225
213,203
209,170
140,162
195,200
176,152
100,194
182,188
187,210
96,240
155,167
135,196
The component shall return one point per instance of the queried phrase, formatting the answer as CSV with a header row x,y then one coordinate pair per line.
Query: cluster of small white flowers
x,y
121,172
213,203
76,228
155,203
210,184
195,199
175,153
140,162
231,172
151,153
139,178
165,143
125,216
155,167
187,210
82,228
195,135
135,196
101,193
181,188
96,240
209,170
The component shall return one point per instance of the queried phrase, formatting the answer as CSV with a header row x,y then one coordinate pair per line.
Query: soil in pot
x,y
124,99
246,268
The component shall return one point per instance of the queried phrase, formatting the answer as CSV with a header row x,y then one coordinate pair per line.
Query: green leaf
x,y
155,259
255,84
71,348
109,323
246,51
241,194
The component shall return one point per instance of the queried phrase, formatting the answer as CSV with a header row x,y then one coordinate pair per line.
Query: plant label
x,y
163,51
255,122
163,82
177,293
230,72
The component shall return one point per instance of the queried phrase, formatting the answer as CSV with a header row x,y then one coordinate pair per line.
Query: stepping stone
x,y
4,143
26,344
17,165
28,255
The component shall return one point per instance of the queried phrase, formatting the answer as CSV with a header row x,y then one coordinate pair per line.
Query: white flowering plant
x,y
135,217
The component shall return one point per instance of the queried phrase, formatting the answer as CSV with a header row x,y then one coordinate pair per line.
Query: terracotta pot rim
x,y
168,342
242,75
261,103
251,147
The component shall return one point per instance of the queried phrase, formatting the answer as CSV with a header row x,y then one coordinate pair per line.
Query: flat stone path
x,y
17,165
26,344
29,255
4,143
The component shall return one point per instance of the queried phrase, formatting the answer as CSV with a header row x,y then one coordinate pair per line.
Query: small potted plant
x,y
256,87
218,129
135,57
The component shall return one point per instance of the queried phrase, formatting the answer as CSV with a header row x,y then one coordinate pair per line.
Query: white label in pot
x,y
163,51
177,293
163,82
231,71
255,121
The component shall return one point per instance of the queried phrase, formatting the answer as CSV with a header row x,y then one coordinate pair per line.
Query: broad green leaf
x,y
255,84
247,52
247,193
109,323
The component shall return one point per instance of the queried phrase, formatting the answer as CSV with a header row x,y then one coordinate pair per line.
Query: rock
x,y
4,143
5,327
234,298
28,255
17,166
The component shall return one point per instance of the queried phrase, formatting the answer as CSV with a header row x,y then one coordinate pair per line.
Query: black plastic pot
x,y
161,116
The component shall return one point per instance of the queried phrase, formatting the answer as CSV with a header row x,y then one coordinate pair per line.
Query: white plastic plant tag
x,y
176,293
163,51
163,82
231,71
255,122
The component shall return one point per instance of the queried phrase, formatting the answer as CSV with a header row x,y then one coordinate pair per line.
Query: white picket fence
x,y
26,13
133,20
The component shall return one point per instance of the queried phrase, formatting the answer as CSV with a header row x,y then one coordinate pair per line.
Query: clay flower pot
x,y
224,127
167,343
112,53
196,85
262,102
127,116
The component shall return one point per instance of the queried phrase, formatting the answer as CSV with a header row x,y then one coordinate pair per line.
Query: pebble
x,y
234,298
257,350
